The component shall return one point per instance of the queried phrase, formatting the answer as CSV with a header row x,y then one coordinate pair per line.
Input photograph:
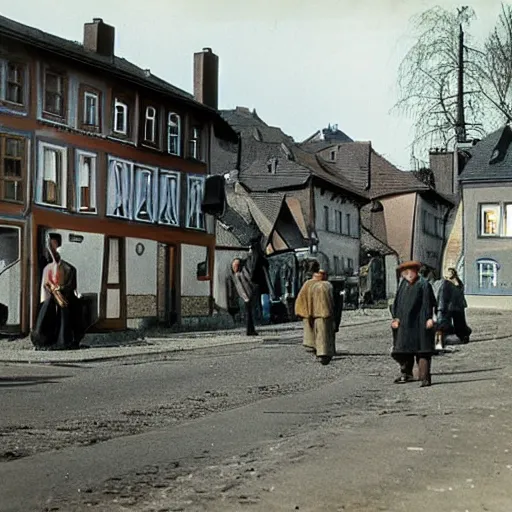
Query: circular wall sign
x,y
139,249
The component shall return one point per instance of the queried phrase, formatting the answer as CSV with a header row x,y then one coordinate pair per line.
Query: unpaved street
x,y
262,426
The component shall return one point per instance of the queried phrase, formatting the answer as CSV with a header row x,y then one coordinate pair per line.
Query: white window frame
x,y
495,268
88,94
125,176
174,136
4,75
193,178
63,151
151,194
80,156
195,143
150,119
482,209
165,215
506,207
123,130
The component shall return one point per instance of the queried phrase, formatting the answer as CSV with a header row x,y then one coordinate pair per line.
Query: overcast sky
x,y
301,64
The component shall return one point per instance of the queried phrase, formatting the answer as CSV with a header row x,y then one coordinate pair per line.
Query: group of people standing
x,y
421,314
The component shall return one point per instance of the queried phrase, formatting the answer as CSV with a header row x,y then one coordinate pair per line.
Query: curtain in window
x,y
168,211
50,165
144,195
195,217
119,189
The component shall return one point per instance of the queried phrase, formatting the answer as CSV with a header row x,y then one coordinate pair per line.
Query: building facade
x,y
486,186
114,160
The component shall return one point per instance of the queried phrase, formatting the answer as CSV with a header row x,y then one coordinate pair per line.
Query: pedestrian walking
x,y
245,288
413,325
457,307
304,308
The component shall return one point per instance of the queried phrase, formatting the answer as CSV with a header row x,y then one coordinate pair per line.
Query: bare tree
x,y
429,78
491,70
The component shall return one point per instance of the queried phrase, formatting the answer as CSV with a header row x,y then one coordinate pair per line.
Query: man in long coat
x,y
324,321
413,324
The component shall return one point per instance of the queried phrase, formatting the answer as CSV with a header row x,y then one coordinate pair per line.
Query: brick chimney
x,y
443,168
99,37
206,78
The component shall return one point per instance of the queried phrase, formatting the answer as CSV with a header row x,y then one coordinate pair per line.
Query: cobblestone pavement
x,y
262,426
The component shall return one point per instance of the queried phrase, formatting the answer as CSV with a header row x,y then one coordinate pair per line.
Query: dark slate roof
x,y
352,159
113,66
369,242
491,158
330,135
244,232
250,125
294,168
269,205
224,156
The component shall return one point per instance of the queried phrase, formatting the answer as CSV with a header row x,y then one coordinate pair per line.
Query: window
x,y
338,222
12,168
145,200
508,220
91,109
174,134
348,226
490,219
195,143
337,270
333,155
120,124
15,83
195,216
52,175
168,212
326,218
350,264
150,125
120,188
54,94
85,183
487,273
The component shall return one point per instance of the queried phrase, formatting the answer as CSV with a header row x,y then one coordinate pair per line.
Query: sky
x,y
301,64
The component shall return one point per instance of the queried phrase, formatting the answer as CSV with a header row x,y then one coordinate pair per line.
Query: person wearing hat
x,y
413,324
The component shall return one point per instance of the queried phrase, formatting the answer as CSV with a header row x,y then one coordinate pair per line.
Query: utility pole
x,y
461,121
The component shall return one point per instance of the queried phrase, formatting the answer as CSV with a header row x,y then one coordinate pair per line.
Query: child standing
x,y
413,324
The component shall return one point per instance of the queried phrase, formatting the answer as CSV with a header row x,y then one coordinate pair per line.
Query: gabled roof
x,y
280,167
112,66
491,158
370,242
387,180
352,159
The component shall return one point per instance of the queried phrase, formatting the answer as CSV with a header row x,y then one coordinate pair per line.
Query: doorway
x,y
113,288
10,279
172,294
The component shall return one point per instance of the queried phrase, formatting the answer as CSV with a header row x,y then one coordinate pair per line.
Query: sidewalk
x,y
22,351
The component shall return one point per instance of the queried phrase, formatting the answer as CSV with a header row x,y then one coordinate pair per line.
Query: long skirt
x,y
325,337
309,334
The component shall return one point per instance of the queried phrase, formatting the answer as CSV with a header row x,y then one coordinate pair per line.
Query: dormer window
x,y
150,125
120,117
272,166
174,134
333,156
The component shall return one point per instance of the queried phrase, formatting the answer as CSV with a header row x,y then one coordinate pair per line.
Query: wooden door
x,y
172,285
113,289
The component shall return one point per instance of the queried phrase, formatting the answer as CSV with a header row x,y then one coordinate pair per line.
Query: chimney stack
x,y
99,37
206,78
442,166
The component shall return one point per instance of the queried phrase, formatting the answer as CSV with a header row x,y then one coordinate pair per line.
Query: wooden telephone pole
x,y
461,121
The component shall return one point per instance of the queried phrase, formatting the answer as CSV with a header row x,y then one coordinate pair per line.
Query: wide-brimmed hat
x,y
406,265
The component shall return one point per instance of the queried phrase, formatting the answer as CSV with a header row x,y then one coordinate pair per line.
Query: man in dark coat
x,y
413,324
